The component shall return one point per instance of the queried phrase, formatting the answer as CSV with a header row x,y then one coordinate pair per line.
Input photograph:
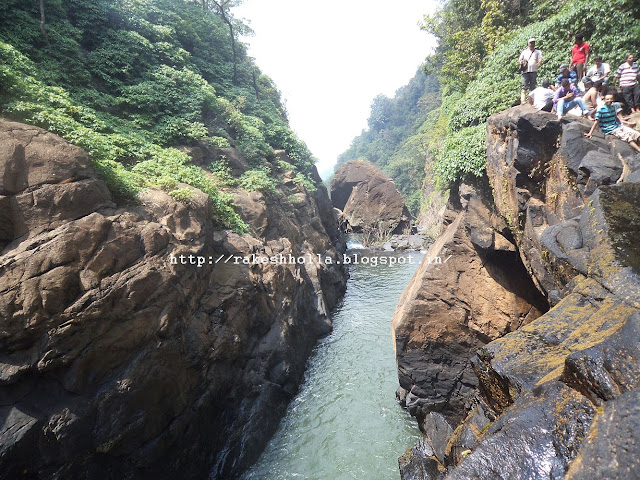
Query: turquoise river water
x,y
345,422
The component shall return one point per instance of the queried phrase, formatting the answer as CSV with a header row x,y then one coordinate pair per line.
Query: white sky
x,y
330,59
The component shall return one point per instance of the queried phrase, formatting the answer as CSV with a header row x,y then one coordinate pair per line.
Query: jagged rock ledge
x,y
547,397
117,363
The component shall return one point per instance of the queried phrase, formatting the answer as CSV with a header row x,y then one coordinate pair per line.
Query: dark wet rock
x,y
533,195
600,168
369,200
468,434
119,358
612,450
620,204
420,463
532,440
437,432
557,396
634,177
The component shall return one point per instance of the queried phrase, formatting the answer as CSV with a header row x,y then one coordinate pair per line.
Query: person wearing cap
x,y
628,75
530,59
542,97
570,75
600,71
579,56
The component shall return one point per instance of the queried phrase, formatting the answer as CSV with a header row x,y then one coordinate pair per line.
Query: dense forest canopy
x,y
129,80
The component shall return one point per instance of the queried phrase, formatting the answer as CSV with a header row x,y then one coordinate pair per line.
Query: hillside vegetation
x,y
397,138
475,63
131,80
479,44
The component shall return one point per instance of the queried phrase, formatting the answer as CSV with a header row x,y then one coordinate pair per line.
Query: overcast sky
x,y
330,59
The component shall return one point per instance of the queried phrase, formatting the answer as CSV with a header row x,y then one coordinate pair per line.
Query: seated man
x,y
542,97
594,97
608,117
566,98
565,73
599,72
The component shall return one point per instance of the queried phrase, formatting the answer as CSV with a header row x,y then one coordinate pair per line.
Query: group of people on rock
x,y
589,89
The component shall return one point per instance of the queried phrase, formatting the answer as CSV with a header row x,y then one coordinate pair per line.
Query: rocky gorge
x,y
520,356
122,354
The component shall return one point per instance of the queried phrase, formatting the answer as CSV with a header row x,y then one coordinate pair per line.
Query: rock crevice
x,y
551,391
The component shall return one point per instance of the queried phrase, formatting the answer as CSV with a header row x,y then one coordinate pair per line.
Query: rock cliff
x,y
142,341
368,200
556,398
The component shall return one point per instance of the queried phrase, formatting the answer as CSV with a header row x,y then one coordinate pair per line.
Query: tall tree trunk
x,y
255,83
235,56
43,21
221,7
233,47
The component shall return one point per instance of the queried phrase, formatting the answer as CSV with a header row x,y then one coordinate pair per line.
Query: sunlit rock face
x,y
142,341
368,200
470,289
554,398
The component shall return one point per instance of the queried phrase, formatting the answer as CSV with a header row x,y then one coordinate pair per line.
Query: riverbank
x,y
345,421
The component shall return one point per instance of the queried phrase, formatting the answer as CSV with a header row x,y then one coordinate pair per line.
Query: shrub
x,y
184,195
258,179
305,181
222,173
463,154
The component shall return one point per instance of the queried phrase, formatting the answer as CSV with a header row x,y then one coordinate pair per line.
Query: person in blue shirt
x,y
611,123
568,74
566,98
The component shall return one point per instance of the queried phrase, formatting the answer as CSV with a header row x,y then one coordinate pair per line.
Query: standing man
x,y
530,59
628,75
579,56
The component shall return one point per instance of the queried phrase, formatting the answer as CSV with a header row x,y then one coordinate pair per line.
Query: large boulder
x,y
555,397
143,341
552,378
369,200
542,173
470,289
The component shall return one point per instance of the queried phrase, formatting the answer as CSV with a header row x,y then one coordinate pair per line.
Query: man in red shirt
x,y
579,56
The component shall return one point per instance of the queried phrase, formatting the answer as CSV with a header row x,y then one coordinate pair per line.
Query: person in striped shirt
x,y
608,117
628,75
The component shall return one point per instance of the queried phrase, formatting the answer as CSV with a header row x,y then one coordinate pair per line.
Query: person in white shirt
x,y
542,97
530,59
600,71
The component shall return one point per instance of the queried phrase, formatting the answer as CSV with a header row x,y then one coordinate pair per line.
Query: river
x,y
345,422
